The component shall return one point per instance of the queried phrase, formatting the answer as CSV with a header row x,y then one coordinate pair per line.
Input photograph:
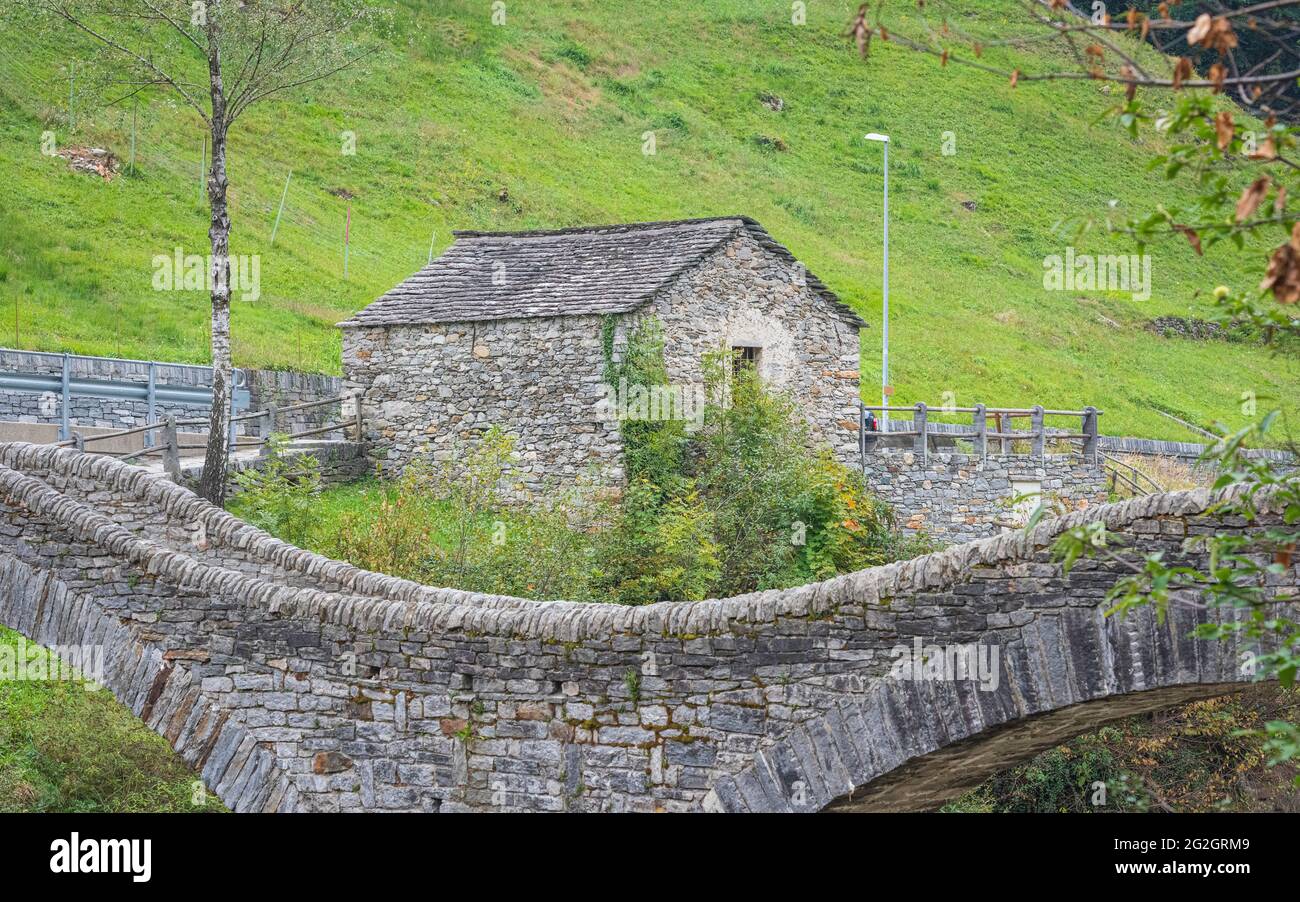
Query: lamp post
x,y
884,346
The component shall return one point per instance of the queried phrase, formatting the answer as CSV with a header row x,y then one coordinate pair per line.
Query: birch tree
x,y
219,58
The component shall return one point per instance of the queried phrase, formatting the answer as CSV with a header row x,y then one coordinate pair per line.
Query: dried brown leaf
x,y
1225,129
1252,197
1192,238
1283,276
1200,28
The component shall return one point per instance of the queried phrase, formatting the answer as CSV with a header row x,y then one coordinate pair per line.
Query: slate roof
x,y
564,272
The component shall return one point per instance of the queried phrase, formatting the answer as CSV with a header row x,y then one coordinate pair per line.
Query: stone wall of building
x,y
745,297
957,497
296,683
426,388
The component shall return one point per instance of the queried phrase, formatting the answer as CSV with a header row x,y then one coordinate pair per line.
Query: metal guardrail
x,y
151,391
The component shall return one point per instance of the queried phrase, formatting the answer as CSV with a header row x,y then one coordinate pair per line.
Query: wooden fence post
x,y
172,450
1039,432
919,417
1090,443
979,419
862,436
272,414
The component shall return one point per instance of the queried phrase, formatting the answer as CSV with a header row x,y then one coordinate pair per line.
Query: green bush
x,y
446,524
395,537
660,548
279,494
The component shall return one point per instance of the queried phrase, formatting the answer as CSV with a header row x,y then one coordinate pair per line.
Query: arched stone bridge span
x,y
297,683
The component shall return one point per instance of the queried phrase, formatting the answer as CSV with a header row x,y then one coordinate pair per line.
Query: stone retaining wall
x,y
961,497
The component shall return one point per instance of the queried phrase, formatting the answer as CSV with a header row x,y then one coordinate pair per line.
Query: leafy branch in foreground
x,y
1242,573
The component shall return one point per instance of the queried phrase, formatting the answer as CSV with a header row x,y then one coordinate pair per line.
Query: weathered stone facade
x,y
296,683
743,296
425,388
956,497
508,330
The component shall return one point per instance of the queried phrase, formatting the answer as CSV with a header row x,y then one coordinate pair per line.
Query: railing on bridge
x,y
170,446
923,432
1128,476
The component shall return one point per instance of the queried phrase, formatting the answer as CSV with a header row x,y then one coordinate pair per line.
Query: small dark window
x,y
744,357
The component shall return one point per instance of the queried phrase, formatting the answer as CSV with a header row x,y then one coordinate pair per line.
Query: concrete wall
x,y
962,497
297,683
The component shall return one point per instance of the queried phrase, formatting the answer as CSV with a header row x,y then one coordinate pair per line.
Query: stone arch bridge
x,y
292,682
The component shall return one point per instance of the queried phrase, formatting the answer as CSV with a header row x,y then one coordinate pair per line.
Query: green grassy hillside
x,y
65,746
539,122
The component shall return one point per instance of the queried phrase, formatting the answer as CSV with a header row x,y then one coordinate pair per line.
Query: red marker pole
x,y
347,238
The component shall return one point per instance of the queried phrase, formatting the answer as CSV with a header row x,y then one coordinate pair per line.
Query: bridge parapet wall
x,y
353,691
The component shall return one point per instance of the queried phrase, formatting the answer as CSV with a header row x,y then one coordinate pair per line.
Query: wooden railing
x,y
1131,477
169,446
979,434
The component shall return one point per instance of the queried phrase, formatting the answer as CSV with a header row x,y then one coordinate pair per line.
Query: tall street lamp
x,y
884,346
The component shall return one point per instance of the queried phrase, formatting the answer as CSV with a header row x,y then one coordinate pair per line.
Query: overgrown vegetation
x,y
1203,756
736,502
66,748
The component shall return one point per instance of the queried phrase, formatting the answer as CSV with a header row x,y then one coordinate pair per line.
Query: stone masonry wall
x,y
962,497
426,387
296,683
745,297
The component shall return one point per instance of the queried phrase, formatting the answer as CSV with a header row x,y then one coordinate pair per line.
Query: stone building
x,y
509,329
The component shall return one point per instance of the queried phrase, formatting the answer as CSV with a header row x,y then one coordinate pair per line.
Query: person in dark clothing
x,y
869,428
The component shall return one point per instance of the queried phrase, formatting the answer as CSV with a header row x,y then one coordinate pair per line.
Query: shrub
x,y
783,515
278,494
395,537
660,549
444,523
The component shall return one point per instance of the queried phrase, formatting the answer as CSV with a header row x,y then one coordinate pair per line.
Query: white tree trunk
x,y
212,485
